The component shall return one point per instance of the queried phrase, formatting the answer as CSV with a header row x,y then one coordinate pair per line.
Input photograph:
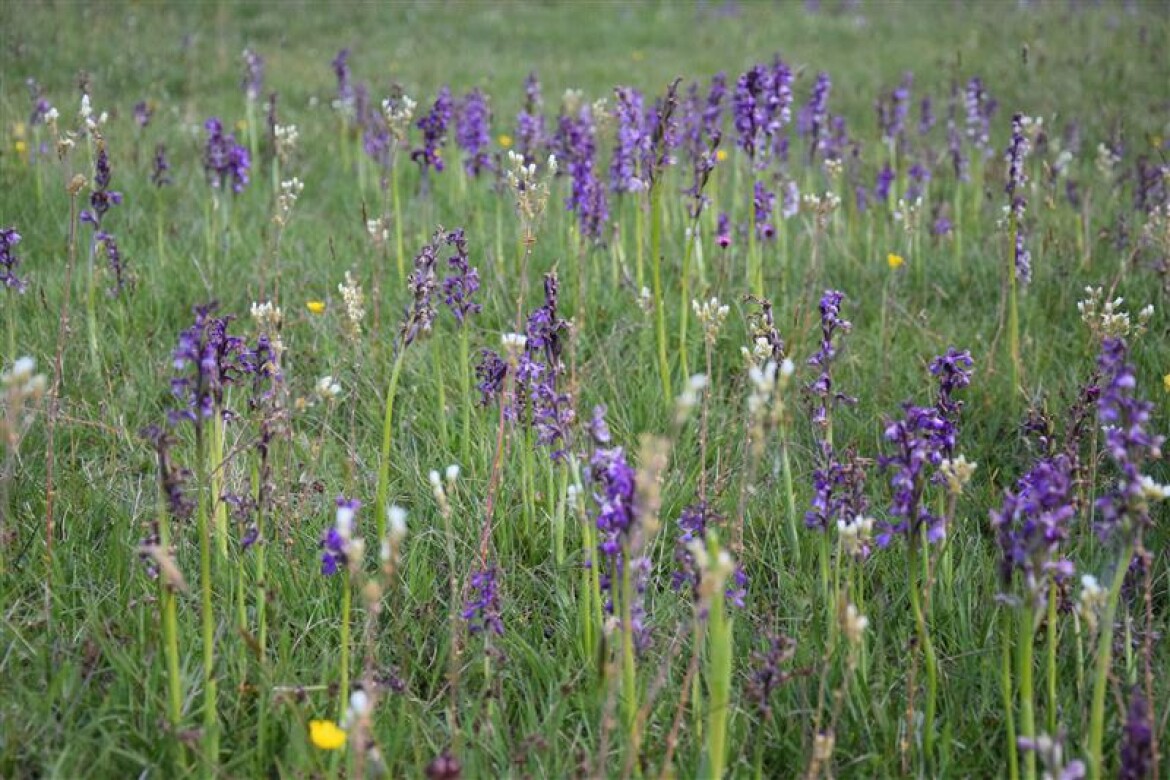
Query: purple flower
x,y
723,230
142,114
789,200
813,119
838,489
763,202
9,261
1032,527
422,283
158,175
613,482
434,129
472,132
953,370
919,176
575,144
832,326
747,111
767,675
253,81
694,522
1125,505
885,178
490,372
925,116
102,199
980,108
206,360
482,609
892,111
919,442
552,413
955,138
1137,739
341,70
40,105
463,283
1016,157
114,263
224,160
632,141
530,135
337,540
662,129
942,227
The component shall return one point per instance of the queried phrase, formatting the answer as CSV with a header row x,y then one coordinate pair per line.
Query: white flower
x,y
514,342
396,516
327,388
1152,491
345,521
854,624
452,473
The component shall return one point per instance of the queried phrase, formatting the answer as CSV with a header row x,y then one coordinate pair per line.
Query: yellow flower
x,y
505,140
316,307
894,261
241,126
1166,383
325,735
20,147
721,155
637,56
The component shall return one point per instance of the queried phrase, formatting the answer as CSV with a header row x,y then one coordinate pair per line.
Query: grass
x,y
83,677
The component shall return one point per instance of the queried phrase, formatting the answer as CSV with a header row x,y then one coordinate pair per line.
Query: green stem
x,y
1096,756
931,662
1025,641
629,670
346,607
1014,318
170,625
384,461
465,379
639,237
216,464
719,636
790,497
210,708
437,360
1052,646
397,200
1006,693
656,270
684,299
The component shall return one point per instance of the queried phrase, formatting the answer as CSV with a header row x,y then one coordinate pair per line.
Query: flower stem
x,y
719,649
1096,755
931,662
1006,693
210,708
346,607
1025,641
384,462
656,271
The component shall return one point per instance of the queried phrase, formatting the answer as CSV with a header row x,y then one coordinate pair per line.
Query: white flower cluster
x,y
355,312
1106,319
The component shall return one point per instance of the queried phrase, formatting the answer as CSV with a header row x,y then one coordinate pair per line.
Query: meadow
x,y
584,390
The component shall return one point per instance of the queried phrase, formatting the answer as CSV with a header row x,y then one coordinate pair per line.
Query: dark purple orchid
x,y
9,261
434,129
225,161
473,133
482,609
